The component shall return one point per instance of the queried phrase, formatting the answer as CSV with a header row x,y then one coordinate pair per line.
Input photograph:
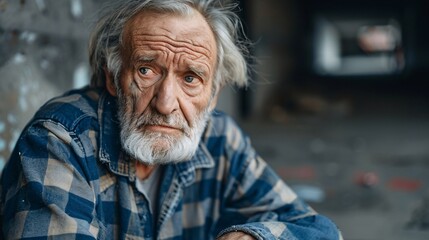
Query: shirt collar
x,y
110,146
110,143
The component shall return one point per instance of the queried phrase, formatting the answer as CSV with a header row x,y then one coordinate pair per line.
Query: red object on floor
x,y
366,179
404,184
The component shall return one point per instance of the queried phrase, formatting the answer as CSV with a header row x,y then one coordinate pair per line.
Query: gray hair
x,y
106,39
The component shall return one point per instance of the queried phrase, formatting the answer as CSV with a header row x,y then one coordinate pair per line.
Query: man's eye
x,y
144,70
189,79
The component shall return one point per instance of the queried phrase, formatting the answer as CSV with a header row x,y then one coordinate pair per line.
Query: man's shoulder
x,y
70,108
222,127
220,124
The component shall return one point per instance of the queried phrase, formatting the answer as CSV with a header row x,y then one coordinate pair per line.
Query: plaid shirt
x,y
67,178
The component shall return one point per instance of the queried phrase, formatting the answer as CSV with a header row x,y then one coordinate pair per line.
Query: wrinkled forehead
x,y
189,28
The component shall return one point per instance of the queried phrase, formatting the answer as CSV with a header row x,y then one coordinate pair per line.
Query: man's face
x,y
165,86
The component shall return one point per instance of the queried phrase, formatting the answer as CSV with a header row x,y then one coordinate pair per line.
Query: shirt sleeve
x,y
44,191
258,202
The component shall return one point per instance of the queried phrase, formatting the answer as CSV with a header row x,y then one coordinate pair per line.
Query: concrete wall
x,y
42,54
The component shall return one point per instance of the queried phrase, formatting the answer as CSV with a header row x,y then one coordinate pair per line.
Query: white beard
x,y
155,147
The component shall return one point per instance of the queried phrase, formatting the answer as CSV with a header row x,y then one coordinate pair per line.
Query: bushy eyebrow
x,y
199,71
195,67
145,58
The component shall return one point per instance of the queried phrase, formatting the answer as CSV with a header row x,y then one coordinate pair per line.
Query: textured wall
x,y
43,52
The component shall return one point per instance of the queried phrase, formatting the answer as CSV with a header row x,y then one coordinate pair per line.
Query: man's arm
x,y
259,203
44,192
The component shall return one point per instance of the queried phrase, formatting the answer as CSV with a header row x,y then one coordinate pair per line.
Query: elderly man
x,y
140,154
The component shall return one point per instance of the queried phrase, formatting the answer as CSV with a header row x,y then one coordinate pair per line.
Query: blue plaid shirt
x,y
67,178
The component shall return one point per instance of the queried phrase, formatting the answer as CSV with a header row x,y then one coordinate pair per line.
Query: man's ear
x,y
110,84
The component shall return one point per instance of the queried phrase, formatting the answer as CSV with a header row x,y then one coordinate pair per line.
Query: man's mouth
x,y
163,128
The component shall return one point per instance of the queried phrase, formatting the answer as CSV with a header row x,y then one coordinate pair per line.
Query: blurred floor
x,y
366,170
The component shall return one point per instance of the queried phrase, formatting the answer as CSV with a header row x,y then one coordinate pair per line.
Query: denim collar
x,y
110,152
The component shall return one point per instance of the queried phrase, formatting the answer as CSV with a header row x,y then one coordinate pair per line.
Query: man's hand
x,y
237,236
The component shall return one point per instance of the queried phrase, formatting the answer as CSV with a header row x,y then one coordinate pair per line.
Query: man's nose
x,y
165,100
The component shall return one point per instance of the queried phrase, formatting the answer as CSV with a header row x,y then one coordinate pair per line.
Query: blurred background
x,y
338,106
